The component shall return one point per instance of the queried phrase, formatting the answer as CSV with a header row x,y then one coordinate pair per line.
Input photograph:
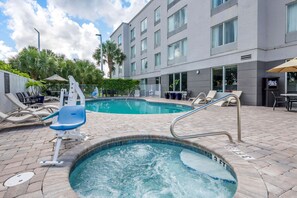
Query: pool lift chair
x,y
74,93
70,117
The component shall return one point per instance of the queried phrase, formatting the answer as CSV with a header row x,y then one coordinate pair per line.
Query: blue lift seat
x,y
69,118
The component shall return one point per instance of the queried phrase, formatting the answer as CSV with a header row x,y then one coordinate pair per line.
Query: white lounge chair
x,y
203,100
21,117
231,100
31,108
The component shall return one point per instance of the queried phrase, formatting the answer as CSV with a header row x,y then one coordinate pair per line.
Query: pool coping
x,y
56,182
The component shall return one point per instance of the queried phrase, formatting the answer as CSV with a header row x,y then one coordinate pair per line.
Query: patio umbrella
x,y
56,78
290,66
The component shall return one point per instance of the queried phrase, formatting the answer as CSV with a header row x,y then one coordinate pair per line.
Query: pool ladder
x,y
204,107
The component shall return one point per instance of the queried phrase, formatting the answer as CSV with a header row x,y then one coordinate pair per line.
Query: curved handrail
x,y
174,121
198,97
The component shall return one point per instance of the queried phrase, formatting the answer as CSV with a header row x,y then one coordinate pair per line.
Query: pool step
x,y
205,165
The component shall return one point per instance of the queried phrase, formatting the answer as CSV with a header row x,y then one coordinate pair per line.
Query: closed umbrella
x,y
56,77
290,66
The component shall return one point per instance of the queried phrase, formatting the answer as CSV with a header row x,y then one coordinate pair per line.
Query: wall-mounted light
x,y
198,72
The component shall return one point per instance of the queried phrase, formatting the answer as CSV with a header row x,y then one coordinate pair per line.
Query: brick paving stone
x,y
12,165
36,194
2,193
15,170
272,189
30,160
275,169
289,194
34,187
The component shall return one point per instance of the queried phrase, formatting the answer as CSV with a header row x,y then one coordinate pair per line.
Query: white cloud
x,y
110,11
58,32
6,52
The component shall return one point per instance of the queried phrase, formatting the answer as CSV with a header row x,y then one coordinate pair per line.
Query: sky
x,y
66,26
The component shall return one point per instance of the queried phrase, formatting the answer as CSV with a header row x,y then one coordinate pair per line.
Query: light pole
x,y
38,39
101,52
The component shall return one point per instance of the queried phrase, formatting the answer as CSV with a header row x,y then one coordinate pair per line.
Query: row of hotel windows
x,y
176,53
175,21
144,64
226,74
223,33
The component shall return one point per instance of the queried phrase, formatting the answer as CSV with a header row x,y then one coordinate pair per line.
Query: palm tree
x,y
111,55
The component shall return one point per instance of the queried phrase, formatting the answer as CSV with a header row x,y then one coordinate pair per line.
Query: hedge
x,y
120,86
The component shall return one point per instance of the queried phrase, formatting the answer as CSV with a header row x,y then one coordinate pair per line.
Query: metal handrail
x,y
210,133
198,97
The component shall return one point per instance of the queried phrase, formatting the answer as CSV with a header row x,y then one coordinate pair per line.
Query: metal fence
x,y
153,90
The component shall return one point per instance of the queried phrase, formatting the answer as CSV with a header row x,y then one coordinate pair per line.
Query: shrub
x,y
7,67
120,86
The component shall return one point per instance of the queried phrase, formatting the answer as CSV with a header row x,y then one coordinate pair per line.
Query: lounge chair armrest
x,y
22,113
231,98
209,99
36,105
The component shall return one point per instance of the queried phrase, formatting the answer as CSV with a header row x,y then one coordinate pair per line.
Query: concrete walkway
x,y
269,136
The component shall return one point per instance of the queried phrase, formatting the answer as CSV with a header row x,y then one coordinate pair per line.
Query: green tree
x,y
111,55
46,63
38,65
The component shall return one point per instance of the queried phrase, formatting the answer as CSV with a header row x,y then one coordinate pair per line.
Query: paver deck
x,y
269,136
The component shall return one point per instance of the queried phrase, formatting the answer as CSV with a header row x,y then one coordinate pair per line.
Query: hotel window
x,y
143,45
291,82
133,69
120,40
133,51
177,51
224,33
120,69
157,80
143,65
143,26
177,20
157,15
157,38
181,80
216,3
157,59
292,18
226,74
132,34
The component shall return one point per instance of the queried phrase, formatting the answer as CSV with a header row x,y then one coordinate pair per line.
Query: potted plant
x,y
167,95
179,96
34,87
172,94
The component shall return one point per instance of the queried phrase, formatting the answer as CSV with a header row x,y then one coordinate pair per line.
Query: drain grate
x,y
18,179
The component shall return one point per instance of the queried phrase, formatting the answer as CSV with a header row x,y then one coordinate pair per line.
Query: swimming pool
x,y
134,106
151,168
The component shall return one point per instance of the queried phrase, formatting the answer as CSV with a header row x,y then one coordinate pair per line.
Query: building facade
x,y
223,45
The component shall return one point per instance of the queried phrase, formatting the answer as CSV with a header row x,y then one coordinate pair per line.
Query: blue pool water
x,y
132,106
145,170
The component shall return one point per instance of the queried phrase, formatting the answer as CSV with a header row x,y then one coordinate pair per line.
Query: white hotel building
x,y
222,45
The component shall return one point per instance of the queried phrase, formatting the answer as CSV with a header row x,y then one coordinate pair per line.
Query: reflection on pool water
x,y
133,106
146,169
